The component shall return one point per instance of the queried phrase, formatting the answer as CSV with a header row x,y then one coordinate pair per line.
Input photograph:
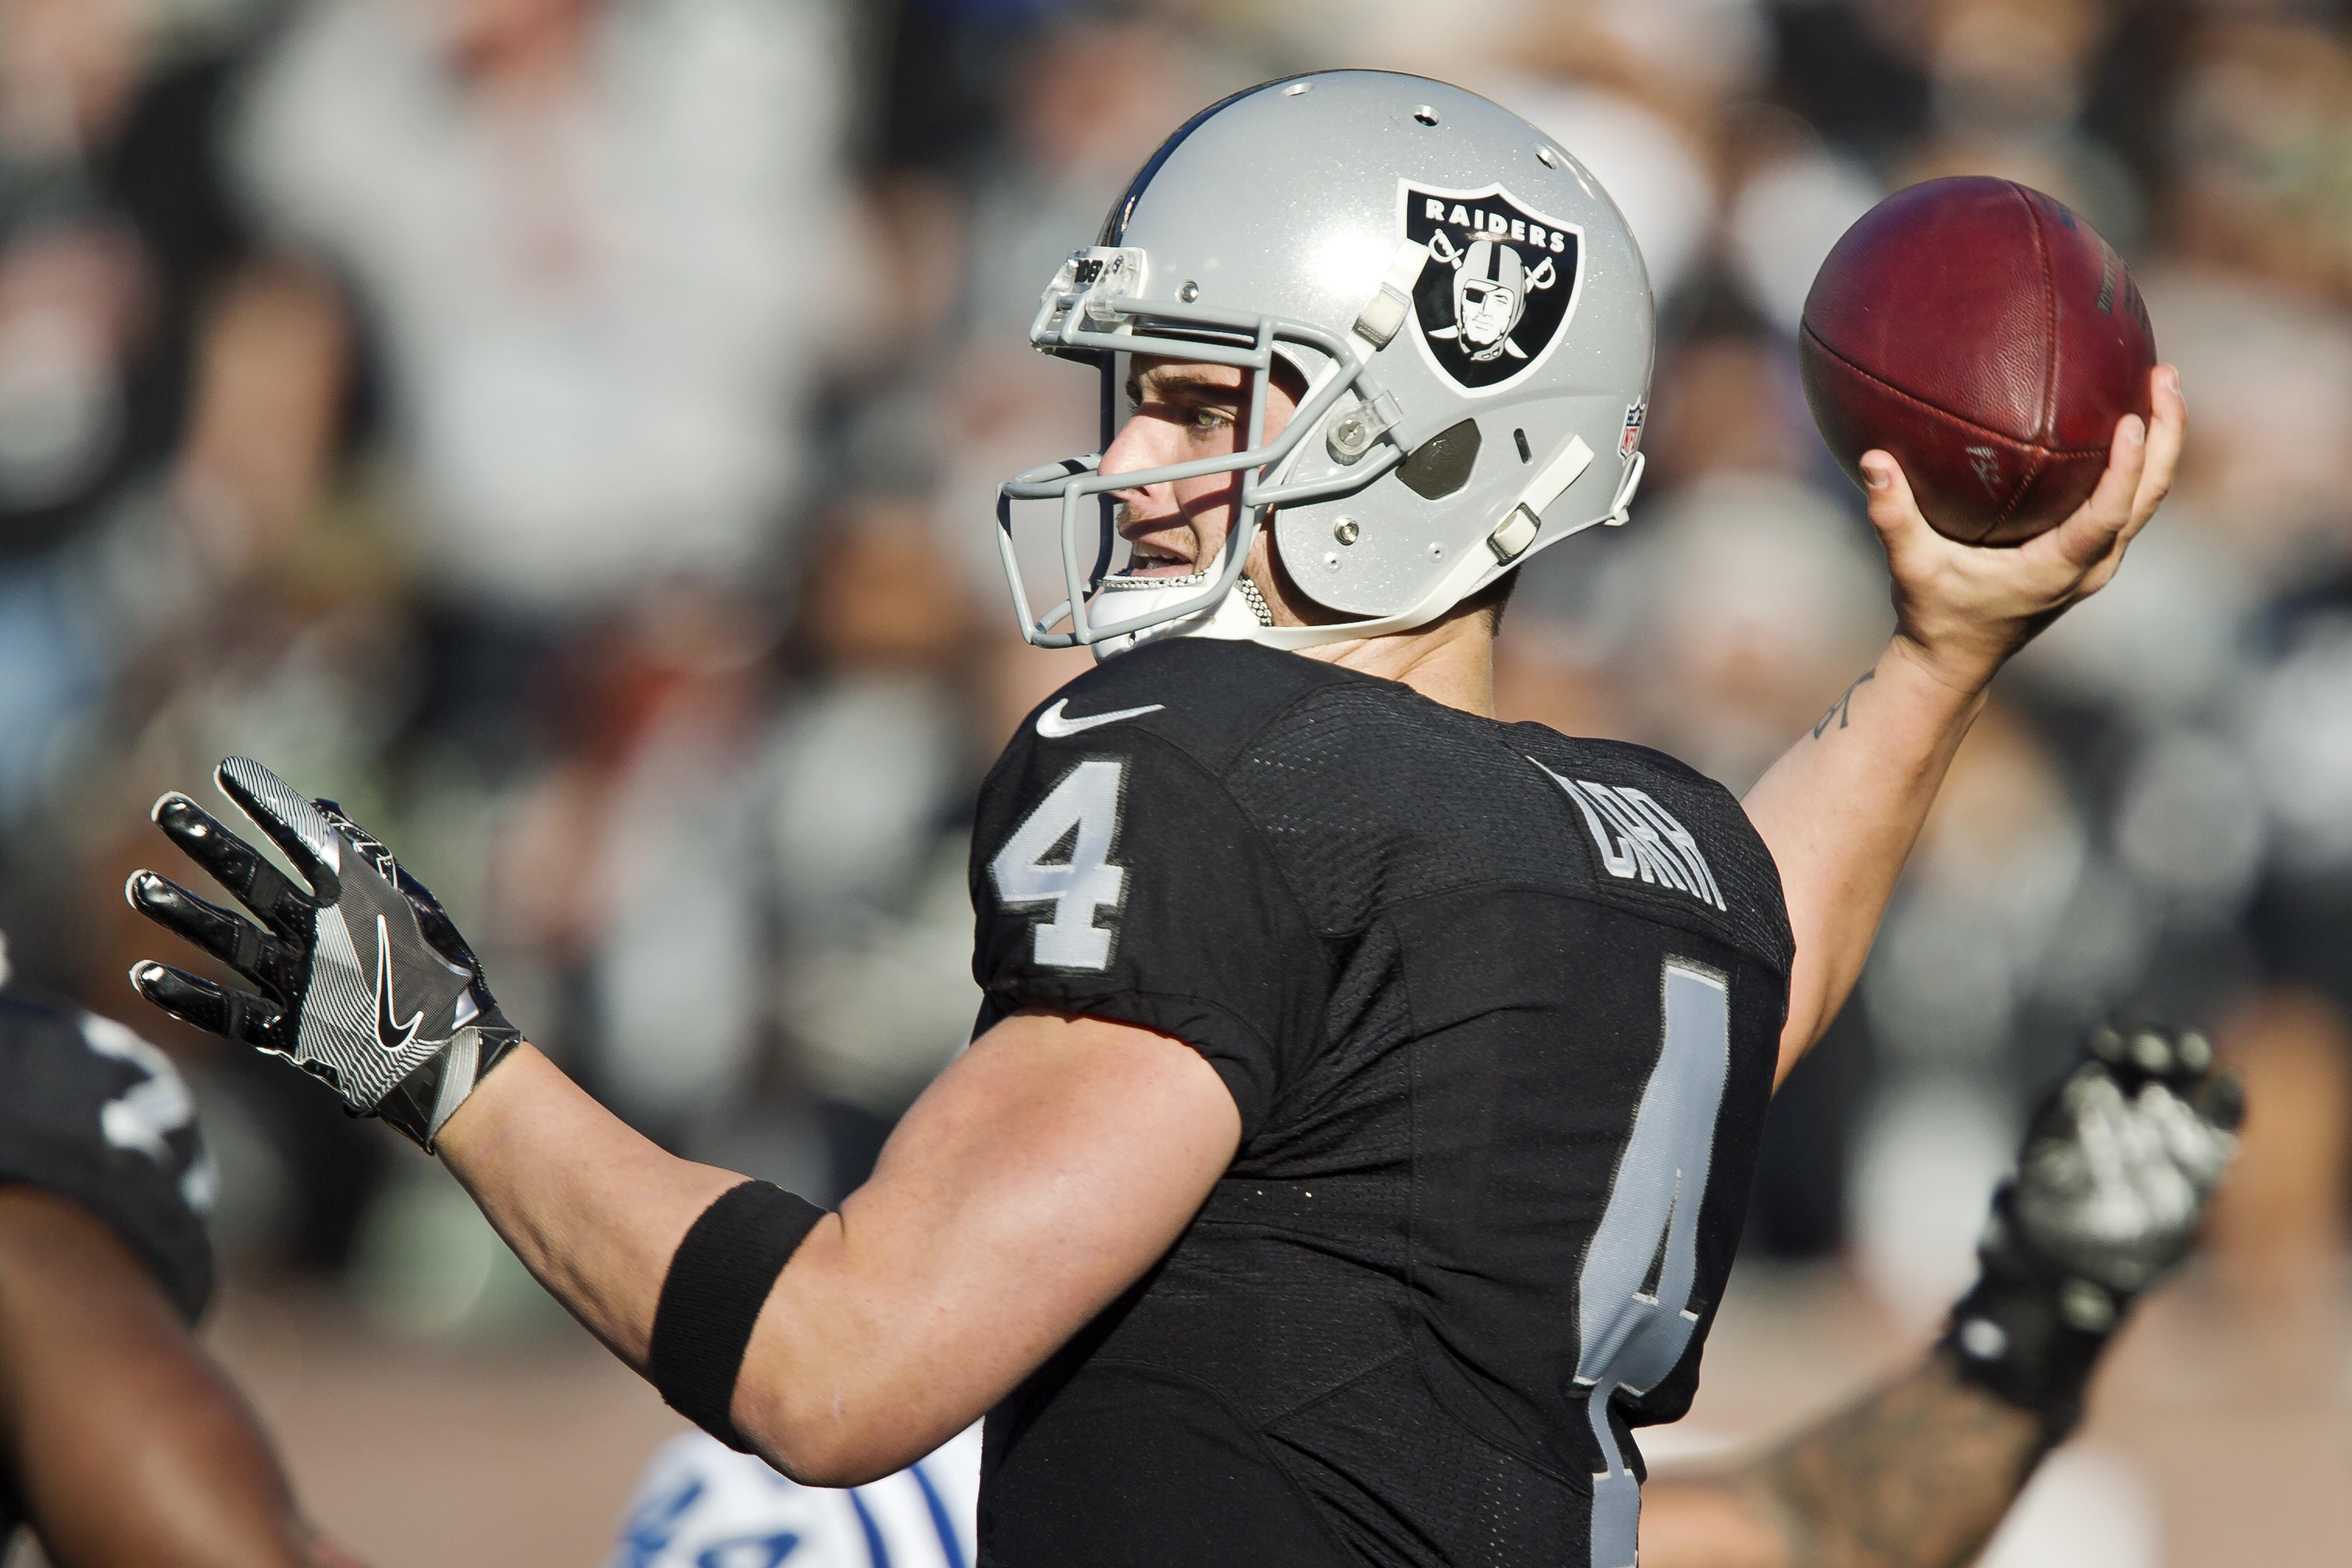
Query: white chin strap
x,y
1240,617
1242,614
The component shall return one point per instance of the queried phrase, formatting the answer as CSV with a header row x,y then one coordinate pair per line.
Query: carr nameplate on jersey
x,y
1496,295
1635,839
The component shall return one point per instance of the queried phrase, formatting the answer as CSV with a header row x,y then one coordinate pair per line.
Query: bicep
x,y
1041,1175
99,1380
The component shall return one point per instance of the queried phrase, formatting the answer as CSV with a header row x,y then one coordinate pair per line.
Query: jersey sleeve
x,y
100,1116
1114,875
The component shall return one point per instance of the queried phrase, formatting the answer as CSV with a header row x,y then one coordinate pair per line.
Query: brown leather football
x,y
1986,338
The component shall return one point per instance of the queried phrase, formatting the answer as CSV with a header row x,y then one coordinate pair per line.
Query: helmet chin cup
x,y
1470,314
1238,615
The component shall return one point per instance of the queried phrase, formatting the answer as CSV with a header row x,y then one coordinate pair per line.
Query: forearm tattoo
x,y
1916,1476
1841,709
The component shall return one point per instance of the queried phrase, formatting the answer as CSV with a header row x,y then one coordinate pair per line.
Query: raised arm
x,y
1914,1474
2117,1168
1841,809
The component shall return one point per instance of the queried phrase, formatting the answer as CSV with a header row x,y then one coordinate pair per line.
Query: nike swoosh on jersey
x,y
391,1033
1052,726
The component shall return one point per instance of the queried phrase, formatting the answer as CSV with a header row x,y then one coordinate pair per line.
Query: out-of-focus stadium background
x,y
565,430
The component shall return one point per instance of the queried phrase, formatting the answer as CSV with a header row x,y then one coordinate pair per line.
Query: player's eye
x,y
1208,416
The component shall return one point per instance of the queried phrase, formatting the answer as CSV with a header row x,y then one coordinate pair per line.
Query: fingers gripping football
x,y
1964,608
359,977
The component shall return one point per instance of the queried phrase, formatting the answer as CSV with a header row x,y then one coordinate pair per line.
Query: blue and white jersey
x,y
702,1505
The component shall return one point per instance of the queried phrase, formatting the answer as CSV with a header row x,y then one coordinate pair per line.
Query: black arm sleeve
x,y
720,1278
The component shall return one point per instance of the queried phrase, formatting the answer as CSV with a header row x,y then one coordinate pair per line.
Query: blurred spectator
x,y
867,775
1998,910
2007,83
1727,401
655,896
748,906
1796,198
2267,475
600,246
2263,128
113,230
942,99
1733,614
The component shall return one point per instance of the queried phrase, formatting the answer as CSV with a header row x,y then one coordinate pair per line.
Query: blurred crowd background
x,y
565,432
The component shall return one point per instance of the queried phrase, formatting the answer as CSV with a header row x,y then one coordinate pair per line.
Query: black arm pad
x,y
2029,1333
717,1280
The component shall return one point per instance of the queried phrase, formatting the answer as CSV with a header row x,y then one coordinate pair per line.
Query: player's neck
x,y
1451,661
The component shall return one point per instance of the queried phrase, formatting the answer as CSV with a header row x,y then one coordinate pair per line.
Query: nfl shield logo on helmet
x,y
1635,413
1495,294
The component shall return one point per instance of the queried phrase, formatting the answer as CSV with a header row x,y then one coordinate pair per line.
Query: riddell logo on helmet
x,y
1499,286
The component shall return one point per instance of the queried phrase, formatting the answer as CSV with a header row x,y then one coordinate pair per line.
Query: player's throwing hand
x,y
1963,609
362,978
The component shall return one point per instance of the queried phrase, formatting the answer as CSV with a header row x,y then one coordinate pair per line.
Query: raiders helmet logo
x,y
1499,285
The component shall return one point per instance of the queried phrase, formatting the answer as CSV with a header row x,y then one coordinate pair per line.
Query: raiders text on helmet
x,y
1470,313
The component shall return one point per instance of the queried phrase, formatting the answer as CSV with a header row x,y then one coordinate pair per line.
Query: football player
x,y
2111,1186
121,1444
1360,1120
702,1502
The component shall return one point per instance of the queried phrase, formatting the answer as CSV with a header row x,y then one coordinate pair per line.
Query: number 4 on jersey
x,y
1083,811
1634,1311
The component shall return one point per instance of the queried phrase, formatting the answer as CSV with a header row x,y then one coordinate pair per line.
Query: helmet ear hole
x,y
1290,377
1441,464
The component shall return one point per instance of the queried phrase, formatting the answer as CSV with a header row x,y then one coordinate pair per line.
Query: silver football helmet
x,y
1470,314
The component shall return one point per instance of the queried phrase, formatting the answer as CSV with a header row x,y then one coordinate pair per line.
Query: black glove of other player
x,y
2118,1166
362,978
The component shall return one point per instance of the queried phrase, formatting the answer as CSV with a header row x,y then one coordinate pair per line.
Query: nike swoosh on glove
x,y
361,978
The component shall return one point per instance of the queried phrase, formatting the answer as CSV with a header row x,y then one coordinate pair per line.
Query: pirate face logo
x,y
1491,286
1499,286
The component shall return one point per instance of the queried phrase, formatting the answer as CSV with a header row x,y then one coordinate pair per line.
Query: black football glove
x,y
362,978
2111,1187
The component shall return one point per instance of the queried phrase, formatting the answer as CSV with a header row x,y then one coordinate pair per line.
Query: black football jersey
x,y
92,1112
1499,1010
